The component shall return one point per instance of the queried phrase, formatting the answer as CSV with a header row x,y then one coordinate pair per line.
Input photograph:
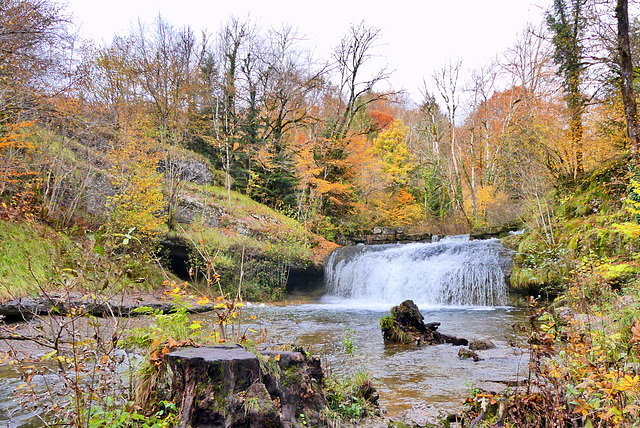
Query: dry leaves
x,y
635,332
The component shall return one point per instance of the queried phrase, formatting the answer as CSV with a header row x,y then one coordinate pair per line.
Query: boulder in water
x,y
481,345
406,325
464,353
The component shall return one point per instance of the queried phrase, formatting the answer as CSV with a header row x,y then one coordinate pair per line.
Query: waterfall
x,y
450,272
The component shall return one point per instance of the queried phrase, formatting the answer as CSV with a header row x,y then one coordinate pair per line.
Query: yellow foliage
x,y
325,187
488,200
631,229
139,202
391,148
400,209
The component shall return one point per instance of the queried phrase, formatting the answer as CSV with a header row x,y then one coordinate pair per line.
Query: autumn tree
x,y
567,24
289,85
33,41
39,68
138,202
390,148
116,85
626,76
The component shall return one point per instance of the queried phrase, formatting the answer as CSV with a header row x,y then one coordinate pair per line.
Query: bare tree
x,y
288,80
351,55
34,45
530,61
446,80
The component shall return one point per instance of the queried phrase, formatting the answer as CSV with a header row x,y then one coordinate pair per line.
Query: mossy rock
x,y
392,332
618,274
512,242
536,281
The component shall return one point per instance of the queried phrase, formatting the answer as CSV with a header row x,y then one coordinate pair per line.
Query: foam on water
x,y
450,273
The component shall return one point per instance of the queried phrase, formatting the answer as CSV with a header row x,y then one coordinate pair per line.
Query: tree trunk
x,y
626,77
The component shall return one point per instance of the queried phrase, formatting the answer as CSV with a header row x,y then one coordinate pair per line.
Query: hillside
x,y
75,238
581,227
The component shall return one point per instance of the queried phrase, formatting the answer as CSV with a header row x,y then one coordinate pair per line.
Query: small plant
x,y
348,342
351,397
391,331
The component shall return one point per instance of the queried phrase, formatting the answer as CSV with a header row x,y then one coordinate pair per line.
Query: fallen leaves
x,y
635,333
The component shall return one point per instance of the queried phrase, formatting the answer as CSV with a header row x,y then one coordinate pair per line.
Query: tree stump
x,y
229,386
406,325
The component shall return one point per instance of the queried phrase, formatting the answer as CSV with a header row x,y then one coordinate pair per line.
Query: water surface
x,y
404,375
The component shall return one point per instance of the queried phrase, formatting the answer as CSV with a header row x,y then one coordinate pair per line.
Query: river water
x,y
404,375
455,282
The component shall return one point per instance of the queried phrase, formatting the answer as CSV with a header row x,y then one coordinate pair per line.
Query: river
x,y
457,283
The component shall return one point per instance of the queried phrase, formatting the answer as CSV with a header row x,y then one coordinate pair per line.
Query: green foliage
x,y
349,397
390,330
175,326
274,184
434,194
589,223
348,343
111,415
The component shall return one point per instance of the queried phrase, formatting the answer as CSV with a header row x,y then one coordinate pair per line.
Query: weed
x,y
348,342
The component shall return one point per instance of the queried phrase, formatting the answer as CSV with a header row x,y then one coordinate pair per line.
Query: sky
x,y
417,37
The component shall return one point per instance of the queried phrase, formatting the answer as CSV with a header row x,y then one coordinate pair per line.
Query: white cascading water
x,y
450,272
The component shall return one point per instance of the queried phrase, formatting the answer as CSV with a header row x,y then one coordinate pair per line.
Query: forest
x,y
284,154
312,137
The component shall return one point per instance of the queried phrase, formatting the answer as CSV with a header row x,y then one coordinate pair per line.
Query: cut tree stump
x,y
229,386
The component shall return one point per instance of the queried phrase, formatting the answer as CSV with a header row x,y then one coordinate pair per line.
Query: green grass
x,y
29,256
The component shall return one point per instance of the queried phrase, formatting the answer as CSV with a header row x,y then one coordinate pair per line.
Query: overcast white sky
x,y
417,37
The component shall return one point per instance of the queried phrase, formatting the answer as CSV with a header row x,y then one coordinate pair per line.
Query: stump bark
x,y
229,386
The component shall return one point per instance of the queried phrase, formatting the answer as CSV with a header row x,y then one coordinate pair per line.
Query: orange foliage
x,y
404,210
381,119
17,174
14,149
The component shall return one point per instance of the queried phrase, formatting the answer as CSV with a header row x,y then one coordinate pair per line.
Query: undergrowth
x,y
584,368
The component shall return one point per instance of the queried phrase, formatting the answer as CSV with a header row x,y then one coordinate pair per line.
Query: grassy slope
x,y
262,242
30,254
34,255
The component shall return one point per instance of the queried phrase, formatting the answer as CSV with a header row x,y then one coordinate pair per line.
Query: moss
x,y
616,274
31,255
391,331
291,376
